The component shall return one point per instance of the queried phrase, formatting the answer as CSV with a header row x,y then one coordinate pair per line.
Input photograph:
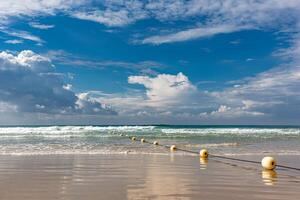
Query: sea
x,y
219,140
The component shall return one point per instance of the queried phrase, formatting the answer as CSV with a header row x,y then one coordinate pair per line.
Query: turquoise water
x,y
225,140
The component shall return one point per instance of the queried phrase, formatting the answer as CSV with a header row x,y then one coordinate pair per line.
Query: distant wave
x,y
234,131
72,129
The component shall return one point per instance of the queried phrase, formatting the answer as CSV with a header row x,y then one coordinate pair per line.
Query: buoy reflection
x,y
203,163
269,177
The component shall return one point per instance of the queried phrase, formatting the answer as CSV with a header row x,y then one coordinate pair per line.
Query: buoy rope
x,y
219,156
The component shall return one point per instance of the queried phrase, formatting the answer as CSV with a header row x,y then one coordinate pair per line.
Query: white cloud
x,y
7,107
115,13
23,35
41,26
210,17
29,84
25,8
108,17
193,33
227,112
274,93
165,89
145,67
14,41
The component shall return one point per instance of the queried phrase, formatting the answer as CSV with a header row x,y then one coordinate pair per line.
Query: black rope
x,y
218,156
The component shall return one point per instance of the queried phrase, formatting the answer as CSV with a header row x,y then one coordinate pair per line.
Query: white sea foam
x,y
234,131
67,131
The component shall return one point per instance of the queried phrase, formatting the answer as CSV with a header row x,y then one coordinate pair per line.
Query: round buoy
x,y
173,148
143,140
203,153
155,143
121,134
133,138
268,162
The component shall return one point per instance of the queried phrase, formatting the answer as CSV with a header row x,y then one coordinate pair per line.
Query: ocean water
x,y
221,140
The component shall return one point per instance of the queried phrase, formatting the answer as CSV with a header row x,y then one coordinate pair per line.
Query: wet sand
x,y
141,177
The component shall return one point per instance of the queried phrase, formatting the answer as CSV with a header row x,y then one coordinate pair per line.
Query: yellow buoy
x,y
143,140
203,153
133,138
155,143
173,148
268,162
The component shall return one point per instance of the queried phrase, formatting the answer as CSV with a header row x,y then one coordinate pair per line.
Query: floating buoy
x,y
133,138
121,134
155,143
268,162
143,140
173,148
203,153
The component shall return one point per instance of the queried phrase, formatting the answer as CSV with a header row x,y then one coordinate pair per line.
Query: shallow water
x,y
141,177
225,140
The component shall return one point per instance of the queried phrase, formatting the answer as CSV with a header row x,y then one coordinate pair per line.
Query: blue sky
x,y
149,62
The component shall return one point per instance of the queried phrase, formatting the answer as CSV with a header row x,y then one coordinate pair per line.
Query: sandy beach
x,y
150,99
141,176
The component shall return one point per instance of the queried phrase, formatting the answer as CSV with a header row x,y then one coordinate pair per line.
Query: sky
x,y
149,62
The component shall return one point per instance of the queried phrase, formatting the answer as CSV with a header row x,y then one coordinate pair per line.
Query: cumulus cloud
x,y
29,84
165,88
163,95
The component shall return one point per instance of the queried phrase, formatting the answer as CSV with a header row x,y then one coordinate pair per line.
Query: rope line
x,y
218,156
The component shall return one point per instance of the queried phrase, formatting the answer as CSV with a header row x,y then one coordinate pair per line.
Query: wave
x,y
146,131
234,131
52,130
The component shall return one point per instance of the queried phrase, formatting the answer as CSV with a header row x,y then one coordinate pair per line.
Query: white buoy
x,y
133,138
268,162
173,148
121,134
155,143
203,153
143,140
